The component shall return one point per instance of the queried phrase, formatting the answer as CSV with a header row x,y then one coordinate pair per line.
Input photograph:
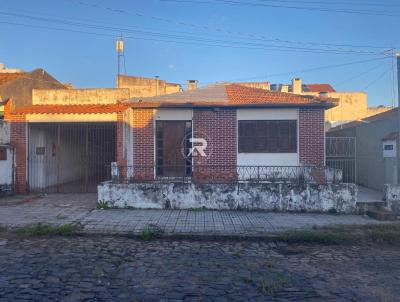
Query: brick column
x,y
143,144
218,127
18,139
312,137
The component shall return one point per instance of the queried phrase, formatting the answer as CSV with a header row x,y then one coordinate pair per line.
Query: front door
x,y
171,147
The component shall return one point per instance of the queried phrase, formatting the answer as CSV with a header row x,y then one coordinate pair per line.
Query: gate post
x,y
114,172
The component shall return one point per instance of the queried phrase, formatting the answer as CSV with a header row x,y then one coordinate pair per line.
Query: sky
x,y
344,43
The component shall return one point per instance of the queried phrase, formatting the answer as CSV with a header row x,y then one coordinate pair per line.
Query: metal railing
x,y
225,174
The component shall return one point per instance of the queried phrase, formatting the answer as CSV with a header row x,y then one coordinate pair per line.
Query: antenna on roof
x,y
119,46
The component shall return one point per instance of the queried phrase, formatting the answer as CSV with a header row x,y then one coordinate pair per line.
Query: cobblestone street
x,y
122,269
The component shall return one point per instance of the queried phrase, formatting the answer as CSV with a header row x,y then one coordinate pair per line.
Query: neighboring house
x,y
19,85
146,87
377,148
67,137
72,136
6,160
352,106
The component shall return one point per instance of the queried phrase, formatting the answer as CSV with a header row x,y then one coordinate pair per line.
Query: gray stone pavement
x,y
81,208
110,268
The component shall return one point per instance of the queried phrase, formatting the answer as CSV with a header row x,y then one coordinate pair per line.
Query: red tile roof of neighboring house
x,y
71,109
232,95
319,88
238,94
8,77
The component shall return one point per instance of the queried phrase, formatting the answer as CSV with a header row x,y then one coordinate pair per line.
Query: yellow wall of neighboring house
x,y
147,87
351,106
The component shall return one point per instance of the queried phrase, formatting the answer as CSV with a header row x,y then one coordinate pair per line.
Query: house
x,y
71,136
7,154
352,106
241,126
18,85
377,148
65,139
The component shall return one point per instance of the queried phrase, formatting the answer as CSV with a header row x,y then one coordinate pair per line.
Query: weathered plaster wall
x,y
6,168
78,96
147,87
4,132
373,170
391,195
281,197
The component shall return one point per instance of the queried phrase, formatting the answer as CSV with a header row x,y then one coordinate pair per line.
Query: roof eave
x,y
231,106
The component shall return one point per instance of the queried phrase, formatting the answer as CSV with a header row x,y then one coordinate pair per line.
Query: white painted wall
x,y
6,168
173,114
71,118
268,159
4,132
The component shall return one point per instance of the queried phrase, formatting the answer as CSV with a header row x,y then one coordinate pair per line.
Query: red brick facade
x,y
218,127
18,139
312,137
143,143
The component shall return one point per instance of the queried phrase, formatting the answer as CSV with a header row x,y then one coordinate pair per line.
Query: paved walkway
x,y
81,208
369,195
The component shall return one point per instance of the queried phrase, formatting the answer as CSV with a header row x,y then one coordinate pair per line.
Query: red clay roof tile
x,y
8,77
320,88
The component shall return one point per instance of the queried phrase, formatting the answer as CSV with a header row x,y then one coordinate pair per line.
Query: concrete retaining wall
x,y
249,196
391,195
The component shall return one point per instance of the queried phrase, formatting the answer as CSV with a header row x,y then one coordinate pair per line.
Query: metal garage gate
x,y
70,157
341,154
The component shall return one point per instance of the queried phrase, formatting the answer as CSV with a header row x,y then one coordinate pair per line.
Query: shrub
x,y
151,231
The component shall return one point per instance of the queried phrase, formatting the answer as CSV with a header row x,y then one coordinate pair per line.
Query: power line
x,y
301,71
216,29
189,39
376,80
359,74
320,9
334,3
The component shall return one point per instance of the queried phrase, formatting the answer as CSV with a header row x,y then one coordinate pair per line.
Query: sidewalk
x,y
60,209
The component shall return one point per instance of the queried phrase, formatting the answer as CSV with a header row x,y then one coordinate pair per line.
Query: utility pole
x,y
398,79
119,45
398,118
157,77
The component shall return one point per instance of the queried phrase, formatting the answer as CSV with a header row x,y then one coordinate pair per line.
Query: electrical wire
x,y
216,29
319,9
212,43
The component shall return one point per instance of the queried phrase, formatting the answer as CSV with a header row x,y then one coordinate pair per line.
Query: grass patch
x,y
379,233
151,231
41,229
333,211
103,205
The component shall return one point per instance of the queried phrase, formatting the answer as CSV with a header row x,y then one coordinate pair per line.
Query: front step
x,y
363,206
381,214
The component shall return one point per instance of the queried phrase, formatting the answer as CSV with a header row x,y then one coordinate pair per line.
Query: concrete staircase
x,y
370,202
376,209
